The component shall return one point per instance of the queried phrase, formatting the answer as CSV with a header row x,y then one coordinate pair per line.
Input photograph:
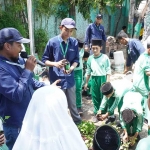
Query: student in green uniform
x,y
98,67
86,93
78,72
144,143
141,79
113,98
131,116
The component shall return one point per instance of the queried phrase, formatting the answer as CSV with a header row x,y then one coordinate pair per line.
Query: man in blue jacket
x,y
16,83
62,56
134,49
95,31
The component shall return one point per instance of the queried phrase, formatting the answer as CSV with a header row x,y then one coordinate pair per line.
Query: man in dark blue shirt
x,y
95,31
134,49
16,83
62,56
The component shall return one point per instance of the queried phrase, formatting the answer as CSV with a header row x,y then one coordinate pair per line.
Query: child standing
x,y
78,72
98,67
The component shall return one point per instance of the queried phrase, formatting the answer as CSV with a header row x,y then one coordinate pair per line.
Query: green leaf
x,y
7,117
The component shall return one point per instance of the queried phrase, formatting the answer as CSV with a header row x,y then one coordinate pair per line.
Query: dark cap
x,y
96,42
11,35
68,23
127,115
99,16
106,138
106,88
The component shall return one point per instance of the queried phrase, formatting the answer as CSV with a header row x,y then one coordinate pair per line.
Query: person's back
x,y
47,124
131,116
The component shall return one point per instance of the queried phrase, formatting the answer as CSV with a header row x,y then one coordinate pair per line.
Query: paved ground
x,y
88,108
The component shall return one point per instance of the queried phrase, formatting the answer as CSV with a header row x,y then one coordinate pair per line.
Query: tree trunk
x,y
118,21
72,15
131,18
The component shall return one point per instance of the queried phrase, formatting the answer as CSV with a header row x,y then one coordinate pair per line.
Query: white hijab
x,y
47,124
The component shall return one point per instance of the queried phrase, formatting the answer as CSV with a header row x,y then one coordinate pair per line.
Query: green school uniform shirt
x,y
133,100
144,144
81,53
98,66
115,99
140,79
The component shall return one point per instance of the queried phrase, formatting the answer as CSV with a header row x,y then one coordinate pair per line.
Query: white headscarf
x,y
47,124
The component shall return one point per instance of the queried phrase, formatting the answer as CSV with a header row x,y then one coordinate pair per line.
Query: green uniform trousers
x,y
78,82
96,82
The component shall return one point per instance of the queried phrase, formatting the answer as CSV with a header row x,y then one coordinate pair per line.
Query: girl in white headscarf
x,y
47,124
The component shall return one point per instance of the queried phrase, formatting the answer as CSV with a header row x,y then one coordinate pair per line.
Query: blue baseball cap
x,y
68,23
99,16
11,35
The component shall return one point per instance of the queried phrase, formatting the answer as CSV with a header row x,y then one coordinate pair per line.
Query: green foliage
x,y
7,19
87,130
84,6
61,9
3,120
43,7
41,39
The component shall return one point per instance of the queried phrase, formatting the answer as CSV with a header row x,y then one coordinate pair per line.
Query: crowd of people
x,y
31,110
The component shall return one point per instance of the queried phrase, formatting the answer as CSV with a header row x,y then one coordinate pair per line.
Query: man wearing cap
x,y
62,56
113,98
131,116
95,31
16,83
134,49
98,67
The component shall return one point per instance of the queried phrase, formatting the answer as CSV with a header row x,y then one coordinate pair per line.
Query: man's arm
x,y
87,35
108,69
48,57
114,105
103,35
128,63
14,89
86,83
103,103
139,124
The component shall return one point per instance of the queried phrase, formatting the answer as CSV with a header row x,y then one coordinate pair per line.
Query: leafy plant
x,y
41,39
3,120
87,130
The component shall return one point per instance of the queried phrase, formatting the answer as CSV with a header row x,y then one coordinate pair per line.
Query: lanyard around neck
x,y
62,48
